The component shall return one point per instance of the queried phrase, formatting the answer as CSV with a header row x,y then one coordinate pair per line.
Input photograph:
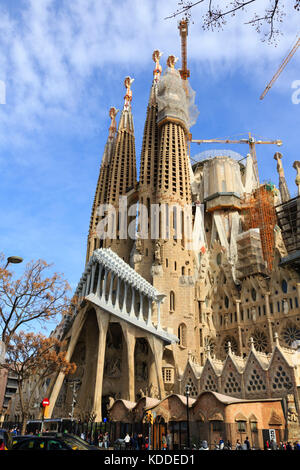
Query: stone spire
x,y
296,165
170,255
283,188
148,175
173,161
102,185
149,154
122,175
122,179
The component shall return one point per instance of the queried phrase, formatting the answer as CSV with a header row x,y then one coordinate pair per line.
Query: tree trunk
x,y
24,412
24,422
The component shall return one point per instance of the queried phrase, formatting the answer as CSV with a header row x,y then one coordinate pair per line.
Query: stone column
x,y
238,317
88,282
149,319
112,278
129,392
124,309
103,321
269,318
99,280
132,309
117,302
283,188
158,316
92,279
296,165
157,350
298,291
141,318
104,284
76,330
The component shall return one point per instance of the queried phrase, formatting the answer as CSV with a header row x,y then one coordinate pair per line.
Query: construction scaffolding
x,y
250,254
259,212
288,216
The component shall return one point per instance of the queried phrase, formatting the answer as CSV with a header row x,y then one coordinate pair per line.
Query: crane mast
x,y
183,28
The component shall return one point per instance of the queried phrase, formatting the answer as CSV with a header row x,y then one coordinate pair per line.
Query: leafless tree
x,y
36,296
33,358
216,16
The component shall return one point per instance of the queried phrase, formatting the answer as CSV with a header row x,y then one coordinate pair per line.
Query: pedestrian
x,y
267,445
135,441
288,446
221,444
141,442
238,445
273,445
204,446
106,440
297,445
164,442
100,440
228,445
127,441
147,443
169,440
82,435
247,442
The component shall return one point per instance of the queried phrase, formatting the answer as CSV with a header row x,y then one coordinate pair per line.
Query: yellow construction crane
x,y
283,64
251,141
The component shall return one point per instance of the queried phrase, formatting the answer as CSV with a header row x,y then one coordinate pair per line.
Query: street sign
x,y
46,402
272,434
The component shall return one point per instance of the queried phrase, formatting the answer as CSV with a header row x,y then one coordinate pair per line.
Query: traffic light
x,y
149,417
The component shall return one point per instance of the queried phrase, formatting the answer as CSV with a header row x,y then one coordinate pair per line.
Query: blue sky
x,y
64,63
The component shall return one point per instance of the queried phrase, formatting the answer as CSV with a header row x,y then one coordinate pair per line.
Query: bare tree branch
x,y
215,16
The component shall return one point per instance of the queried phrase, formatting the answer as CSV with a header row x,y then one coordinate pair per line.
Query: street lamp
x,y
13,260
187,394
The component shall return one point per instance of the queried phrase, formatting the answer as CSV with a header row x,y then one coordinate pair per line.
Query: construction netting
x,y
176,99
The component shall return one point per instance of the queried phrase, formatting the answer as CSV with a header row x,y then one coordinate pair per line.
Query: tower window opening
x,y
182,335
172,301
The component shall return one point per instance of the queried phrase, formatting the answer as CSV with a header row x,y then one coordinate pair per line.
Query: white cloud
x,y
51,52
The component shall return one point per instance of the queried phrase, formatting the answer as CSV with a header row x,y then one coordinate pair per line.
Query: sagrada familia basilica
x,y
192,271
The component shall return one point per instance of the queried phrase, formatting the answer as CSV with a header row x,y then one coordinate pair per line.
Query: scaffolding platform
x,y
250,254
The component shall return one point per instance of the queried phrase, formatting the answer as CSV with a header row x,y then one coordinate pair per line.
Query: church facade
x,y
185,283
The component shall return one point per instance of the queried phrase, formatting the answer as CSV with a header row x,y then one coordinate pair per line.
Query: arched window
x,y
172,301
182,335
253,294
284,286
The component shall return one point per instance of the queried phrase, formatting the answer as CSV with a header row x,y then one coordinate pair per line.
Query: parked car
x,y
52,442
18,438
7,438
70,436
